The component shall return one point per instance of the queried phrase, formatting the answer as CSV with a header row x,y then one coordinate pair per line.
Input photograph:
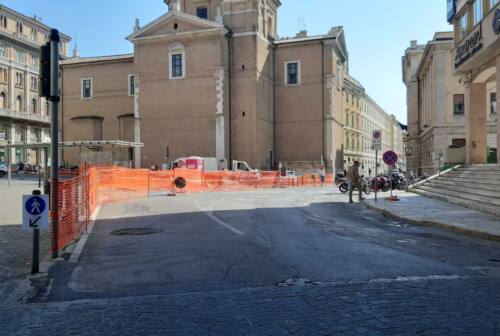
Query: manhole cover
x,y
135,232
296,282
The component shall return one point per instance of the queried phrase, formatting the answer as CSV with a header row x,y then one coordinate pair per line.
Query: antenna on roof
x,y
302,23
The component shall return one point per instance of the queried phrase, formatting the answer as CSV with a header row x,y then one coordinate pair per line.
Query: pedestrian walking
x,y
355,181
20,169
322,175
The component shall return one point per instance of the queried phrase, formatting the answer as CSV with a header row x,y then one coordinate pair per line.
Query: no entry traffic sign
x,y
390,158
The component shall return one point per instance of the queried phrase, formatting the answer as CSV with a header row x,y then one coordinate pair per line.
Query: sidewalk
x,y
426,211
15,243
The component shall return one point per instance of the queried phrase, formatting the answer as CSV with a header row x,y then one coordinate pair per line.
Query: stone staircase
x,y
476,187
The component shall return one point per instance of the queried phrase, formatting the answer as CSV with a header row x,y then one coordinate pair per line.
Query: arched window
x,y
3,102
19,103
33,106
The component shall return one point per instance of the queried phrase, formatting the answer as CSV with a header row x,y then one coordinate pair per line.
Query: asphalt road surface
x,y
271,262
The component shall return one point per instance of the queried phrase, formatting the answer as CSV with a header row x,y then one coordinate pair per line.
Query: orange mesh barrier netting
x,y
73,210
79,196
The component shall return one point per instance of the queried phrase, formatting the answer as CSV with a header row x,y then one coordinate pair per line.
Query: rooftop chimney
x,y
413,43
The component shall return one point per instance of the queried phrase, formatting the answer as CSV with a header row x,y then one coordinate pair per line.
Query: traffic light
x,y
44,80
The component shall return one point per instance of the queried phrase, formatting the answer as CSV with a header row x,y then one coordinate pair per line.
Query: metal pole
x,y
35,263
46,184
376,174
9,165
390,174
54,113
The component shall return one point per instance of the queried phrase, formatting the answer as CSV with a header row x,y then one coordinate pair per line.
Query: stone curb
x,y
77,252
439,225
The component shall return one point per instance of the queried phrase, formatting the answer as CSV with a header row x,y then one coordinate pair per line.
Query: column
x,y
26,91
498,108
12,89
475,114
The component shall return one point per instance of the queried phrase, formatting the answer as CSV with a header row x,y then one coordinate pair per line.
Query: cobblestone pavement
x,y
415,307
218,263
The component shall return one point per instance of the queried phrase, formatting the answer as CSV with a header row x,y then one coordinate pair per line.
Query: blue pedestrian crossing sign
x,y
35,212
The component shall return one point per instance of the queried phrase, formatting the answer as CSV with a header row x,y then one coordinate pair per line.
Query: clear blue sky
x,y
377,32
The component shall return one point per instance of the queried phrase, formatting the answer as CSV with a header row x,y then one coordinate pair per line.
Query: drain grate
x,y
135,232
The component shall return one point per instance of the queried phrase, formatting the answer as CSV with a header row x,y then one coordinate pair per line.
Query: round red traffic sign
x,y
390,158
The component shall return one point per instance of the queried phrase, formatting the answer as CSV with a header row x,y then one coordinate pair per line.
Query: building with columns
x,y
437,132
476,62
211,78
363,116
24,117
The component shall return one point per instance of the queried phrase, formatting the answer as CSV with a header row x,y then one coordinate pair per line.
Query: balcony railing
x,y
24,116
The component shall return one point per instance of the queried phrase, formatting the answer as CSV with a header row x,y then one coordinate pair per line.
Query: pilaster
x,y
220,136
475,115
498,107
137,123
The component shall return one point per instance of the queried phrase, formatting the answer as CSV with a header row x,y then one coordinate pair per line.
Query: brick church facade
x,y
211,78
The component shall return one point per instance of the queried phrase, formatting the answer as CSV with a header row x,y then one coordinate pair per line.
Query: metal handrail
x,y
413,186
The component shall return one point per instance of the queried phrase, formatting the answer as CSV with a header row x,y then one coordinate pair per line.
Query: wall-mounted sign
x,y
469,46
452,10
496,22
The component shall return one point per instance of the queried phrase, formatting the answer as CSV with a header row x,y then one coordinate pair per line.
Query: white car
x,y
3,169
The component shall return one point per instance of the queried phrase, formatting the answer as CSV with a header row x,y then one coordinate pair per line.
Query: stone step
x,y
482,183
492,177
463,195
484,207
480,168
471,188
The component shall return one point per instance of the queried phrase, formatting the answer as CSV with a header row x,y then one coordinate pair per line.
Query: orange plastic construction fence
x,y
80,195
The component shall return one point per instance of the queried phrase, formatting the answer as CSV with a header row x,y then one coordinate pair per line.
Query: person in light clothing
x,y
355,181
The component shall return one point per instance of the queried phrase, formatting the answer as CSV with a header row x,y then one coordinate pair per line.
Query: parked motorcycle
x,y
365,184
380,183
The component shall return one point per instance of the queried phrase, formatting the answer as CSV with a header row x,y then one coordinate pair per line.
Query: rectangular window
x,y
87,88
458,104
34,83
478,11
292,73
131,85
202,12
34,61
3,50
493,3
463,21
20,56
177,66
19,80
493,103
